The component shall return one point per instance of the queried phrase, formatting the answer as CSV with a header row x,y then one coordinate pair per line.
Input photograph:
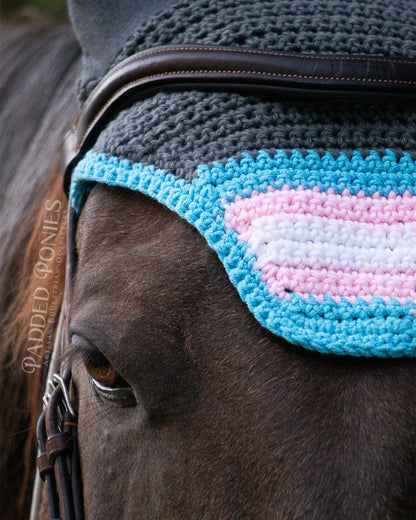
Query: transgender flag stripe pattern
x,y
316,243
321,248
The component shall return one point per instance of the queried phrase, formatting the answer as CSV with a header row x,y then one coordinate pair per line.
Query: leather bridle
x,y
187,67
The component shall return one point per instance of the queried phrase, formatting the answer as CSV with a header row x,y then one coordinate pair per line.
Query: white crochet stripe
x,y
299,240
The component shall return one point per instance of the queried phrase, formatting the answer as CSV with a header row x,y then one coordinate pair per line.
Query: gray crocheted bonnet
x,y
179,131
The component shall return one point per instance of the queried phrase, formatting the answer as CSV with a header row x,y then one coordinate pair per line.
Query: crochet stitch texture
x,y
178,131
320,249
309,204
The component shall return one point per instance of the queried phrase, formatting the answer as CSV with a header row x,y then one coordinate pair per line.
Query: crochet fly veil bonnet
x,y
310,204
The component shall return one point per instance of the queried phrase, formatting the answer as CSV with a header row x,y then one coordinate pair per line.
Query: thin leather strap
x,y
245,70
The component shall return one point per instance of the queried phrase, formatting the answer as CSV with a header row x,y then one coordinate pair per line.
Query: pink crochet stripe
x,y
317,243
355,208
318,282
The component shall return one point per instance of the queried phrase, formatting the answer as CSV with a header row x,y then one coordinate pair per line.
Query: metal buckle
x,y
58,380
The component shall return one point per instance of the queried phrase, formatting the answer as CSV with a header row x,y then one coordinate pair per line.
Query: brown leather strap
x,y
249,71
57,444
43,465
58,461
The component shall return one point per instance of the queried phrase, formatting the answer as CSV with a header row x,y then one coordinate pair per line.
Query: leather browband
x,y
243,70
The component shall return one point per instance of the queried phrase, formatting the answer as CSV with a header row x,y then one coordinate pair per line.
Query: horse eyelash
x,y
72,355
76,354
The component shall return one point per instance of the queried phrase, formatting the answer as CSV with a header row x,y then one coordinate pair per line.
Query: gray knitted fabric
x,y
178,131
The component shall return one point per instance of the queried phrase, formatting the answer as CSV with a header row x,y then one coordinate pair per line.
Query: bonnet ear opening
x,y
102,27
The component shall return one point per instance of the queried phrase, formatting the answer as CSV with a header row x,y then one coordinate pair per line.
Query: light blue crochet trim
x,y
360,329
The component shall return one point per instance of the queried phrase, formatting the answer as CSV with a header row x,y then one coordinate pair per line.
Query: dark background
x,y
53,9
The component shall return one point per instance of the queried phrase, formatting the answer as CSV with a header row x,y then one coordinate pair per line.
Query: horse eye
x,y
104,373
106,381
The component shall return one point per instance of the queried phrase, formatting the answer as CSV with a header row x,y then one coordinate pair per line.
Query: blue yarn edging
x,y
377,329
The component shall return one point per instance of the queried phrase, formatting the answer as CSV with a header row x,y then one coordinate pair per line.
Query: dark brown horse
x,y
189,408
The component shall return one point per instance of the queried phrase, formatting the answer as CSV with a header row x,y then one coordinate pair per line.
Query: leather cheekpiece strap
x,y
43,465
248,71
58,459
57,444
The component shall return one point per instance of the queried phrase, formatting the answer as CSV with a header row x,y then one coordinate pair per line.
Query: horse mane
x,y
39,64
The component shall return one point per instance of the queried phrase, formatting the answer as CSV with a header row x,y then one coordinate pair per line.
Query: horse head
x,y
217,376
